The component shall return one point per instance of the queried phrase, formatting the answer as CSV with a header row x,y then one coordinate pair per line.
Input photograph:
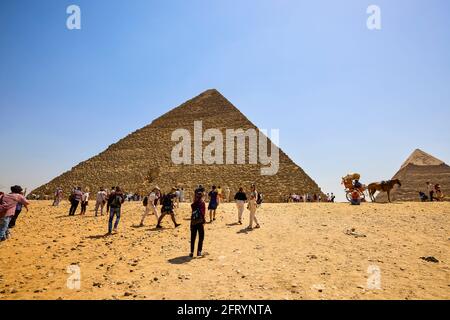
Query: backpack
x,y
145,201
259,199
196,217
167,203
117,201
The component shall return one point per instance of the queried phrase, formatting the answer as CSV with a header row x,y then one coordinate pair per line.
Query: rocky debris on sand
x,y
352,232
430,259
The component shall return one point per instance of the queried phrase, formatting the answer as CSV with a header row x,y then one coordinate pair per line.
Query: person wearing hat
x,y
168,208
8,204
152,200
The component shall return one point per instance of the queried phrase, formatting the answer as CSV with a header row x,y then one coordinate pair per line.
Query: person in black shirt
x,y
240,198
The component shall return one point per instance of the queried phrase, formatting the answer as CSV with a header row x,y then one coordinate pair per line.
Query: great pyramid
x,y
143,158
419,168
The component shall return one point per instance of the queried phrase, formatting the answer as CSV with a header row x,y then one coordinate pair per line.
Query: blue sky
x,y
345,98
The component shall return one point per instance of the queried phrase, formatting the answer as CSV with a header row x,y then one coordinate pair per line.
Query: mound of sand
x,y
302,251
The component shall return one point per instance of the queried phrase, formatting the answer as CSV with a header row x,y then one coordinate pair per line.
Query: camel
x,y
385,186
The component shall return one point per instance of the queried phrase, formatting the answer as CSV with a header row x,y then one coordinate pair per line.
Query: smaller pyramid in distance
x,y
415,172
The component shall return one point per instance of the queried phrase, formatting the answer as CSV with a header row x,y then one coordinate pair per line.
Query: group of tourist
x,y
310,198
434,193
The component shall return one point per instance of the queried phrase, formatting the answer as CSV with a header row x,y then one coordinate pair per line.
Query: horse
x,y
385,186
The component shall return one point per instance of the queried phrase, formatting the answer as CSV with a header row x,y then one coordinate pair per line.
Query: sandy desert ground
x,y
301,252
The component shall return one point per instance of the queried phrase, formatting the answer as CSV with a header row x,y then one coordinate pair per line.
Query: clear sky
x,y
345,98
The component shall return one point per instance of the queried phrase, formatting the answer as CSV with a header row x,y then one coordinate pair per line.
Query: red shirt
x,y
199,204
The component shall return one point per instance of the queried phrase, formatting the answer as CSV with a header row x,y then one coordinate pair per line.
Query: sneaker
x,y
257,226
191,255
240,222
249,228
199,254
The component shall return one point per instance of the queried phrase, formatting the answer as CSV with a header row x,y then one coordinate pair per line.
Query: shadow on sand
x,y
245,231
99,236
233,224
180,260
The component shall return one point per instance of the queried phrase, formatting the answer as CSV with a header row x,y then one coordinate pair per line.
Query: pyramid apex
x,y
420,158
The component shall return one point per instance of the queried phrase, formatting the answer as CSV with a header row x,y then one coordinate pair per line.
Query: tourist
x,y
182,195
200,189
252,206
430,190
240,197
219,195
227,194
197,224
84,202
58,197
315,197
332,197
8,208
356,199
177,197
422,196
168,208
150,205
75,199
438,192
19,207
107,198
213,196
100,201
115,201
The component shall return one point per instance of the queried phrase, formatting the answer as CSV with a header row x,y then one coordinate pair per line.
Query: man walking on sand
x,y
168,208
152,199
115,201
100,201
75,199
8,205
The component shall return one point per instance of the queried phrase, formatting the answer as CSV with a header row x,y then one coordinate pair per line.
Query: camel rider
x,y
357,184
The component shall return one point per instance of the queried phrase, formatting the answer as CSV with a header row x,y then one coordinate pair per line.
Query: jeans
x,y
113,212
201,235
73,207
4,224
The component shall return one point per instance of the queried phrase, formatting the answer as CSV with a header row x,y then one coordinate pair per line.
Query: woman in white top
x,y
252,206
151,205
84,201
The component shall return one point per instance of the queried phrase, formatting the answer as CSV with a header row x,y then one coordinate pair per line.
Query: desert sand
x,y
301,252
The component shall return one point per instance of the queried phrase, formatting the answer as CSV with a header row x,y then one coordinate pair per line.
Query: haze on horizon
x,y
345,98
